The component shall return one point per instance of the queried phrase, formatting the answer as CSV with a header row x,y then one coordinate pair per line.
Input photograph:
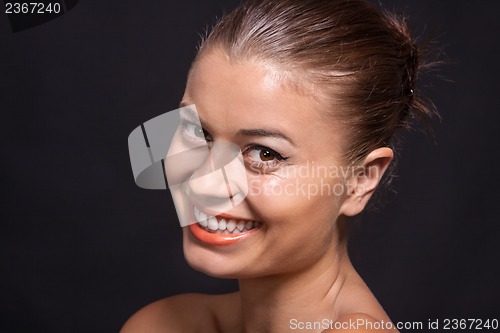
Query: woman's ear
x,y
364,180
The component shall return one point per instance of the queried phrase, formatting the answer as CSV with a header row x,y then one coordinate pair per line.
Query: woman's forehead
x,y
257,89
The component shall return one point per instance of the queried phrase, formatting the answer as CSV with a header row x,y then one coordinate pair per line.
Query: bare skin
x,y
296,267
224,313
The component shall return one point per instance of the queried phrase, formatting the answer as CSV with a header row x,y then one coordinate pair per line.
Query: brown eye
x,y
266,155
263,154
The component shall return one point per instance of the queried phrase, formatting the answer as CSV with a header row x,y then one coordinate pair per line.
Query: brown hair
x,y
364,60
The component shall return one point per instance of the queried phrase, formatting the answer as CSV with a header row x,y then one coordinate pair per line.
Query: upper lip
x,y
223,215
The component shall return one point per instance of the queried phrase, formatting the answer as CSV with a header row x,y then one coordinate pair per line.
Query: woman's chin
x,y
212,262
210,265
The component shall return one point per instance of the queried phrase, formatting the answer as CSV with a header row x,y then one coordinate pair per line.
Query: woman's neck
x,y
274,303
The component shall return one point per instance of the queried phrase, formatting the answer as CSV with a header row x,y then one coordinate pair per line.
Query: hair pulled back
x,y
363,60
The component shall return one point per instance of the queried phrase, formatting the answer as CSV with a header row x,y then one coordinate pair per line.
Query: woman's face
x,y
292,155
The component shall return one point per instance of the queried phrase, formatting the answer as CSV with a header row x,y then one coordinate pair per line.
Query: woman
x,y
312,92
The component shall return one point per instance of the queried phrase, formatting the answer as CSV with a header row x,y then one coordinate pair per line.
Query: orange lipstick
x,y
214,239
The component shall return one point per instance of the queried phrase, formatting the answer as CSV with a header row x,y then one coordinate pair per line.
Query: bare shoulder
x,y
182,313
360,323
161,316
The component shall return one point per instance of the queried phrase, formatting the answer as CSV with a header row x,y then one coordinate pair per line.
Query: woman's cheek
x,y
276,198
271,187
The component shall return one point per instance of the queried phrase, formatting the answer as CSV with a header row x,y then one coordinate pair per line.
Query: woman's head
x,y
311,92
294,171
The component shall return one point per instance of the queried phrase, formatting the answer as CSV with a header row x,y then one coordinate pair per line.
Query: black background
x,y
82,248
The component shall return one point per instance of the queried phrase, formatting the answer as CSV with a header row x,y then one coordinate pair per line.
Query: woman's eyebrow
x,y
189,112
185,109
265,133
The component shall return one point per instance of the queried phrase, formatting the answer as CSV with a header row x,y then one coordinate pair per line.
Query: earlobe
x,y
363,183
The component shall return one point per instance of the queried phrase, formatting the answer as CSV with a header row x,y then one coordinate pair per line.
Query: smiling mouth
x,y
223,225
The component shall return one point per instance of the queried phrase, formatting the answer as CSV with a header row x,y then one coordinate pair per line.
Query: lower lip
x,y
218,239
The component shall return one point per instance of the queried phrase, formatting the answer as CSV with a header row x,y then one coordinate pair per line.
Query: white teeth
x,y
212,223
200,216
240,225
231,225
222,224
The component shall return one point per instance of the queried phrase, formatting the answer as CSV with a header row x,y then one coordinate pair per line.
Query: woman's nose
x,y
219,183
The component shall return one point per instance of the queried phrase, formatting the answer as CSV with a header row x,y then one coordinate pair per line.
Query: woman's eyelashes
x,y
262,158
